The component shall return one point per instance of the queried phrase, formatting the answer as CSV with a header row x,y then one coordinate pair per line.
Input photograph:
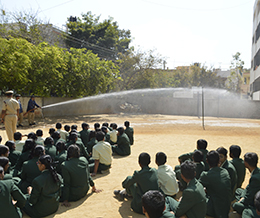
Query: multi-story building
x,y
255,55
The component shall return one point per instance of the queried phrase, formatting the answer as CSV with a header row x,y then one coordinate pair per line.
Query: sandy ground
x,y
173,135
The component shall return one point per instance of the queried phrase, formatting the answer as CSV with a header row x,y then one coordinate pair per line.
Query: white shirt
x,y
63,134
113,135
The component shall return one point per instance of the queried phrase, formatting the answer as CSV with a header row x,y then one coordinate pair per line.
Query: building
x,y
255,55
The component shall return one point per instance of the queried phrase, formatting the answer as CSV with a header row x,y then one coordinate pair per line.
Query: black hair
x,y
198,156
10,144
1,169
160,158
37,151
92,134
47,161
251,158
32,96
1,139
222,150
58,125
114,126
100,136
111,125
98,130
61,146
257,201
104,129
3,161
144,159
39,132
74,127
67,128
28,145
56,135
32,135
121,130
154,203
49,141
51,131
73,136
188,169
84,125
105,124
235,150
127,123
3,149
96,126
213,158
73,152
17,136
202,144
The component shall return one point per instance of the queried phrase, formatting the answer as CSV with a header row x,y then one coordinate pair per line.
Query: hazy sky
x,y
184,32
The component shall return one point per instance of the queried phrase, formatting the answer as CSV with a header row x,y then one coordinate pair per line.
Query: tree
x,y
235,80
103,38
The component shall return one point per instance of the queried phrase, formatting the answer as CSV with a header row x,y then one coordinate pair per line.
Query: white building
x,y
255,55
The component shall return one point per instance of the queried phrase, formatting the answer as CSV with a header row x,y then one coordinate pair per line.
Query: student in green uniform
x,y
198,160
13,155
238,163
76,176
104,129
4,151
45,192
96,126
106,125
218,187
129,131
224,163
154,204
253,212
102,154
92,141
50,149
193,202
9,192
142,181
245,197
84,133
61,155
30,169
51,131
122,147
40,139
57,138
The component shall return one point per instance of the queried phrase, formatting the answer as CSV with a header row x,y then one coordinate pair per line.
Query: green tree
x,y
103,38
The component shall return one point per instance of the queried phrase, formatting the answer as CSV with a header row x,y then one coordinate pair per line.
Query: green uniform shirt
x,y
129,131
91,144
84,135
123,147
239,165
61,157
232,173
13,157
51,150
83,151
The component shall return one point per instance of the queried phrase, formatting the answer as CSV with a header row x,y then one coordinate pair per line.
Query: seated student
x,y
45,192
253,212
4,151
9,192
40,139
102,154
201,146
63,134
154,205
142,181
245,197
18,141
27,148
106,125
104,129
56,138
198,160
238,163
73,140
129,131
84,133
30,169
166,176
13,155
61,155
193,202
51,131
50,149
122,147
1,139
96,126
224,163
32,136
218,187
92,141
76,176
113,134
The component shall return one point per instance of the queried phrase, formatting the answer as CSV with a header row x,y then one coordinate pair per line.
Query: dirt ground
x,y
173,135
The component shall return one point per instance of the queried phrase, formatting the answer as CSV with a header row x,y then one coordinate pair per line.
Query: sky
x,y
183,32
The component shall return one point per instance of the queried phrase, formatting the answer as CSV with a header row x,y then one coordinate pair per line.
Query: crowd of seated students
x,y
38,172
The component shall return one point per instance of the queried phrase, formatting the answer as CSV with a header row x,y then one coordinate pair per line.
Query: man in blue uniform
x,y
30,110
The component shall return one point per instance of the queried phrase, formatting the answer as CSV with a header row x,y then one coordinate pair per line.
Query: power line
x,y
55,6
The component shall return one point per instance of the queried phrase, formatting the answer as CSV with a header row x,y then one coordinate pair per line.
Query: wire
x,y
55,6
196,9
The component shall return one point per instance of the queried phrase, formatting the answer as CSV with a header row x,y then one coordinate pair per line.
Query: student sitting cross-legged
x,y
123,147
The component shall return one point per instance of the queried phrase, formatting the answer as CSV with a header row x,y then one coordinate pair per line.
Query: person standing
x,y
10,112
20,116
30,110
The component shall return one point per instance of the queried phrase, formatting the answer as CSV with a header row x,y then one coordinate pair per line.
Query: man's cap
x,y
17,95
9,92
32,96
